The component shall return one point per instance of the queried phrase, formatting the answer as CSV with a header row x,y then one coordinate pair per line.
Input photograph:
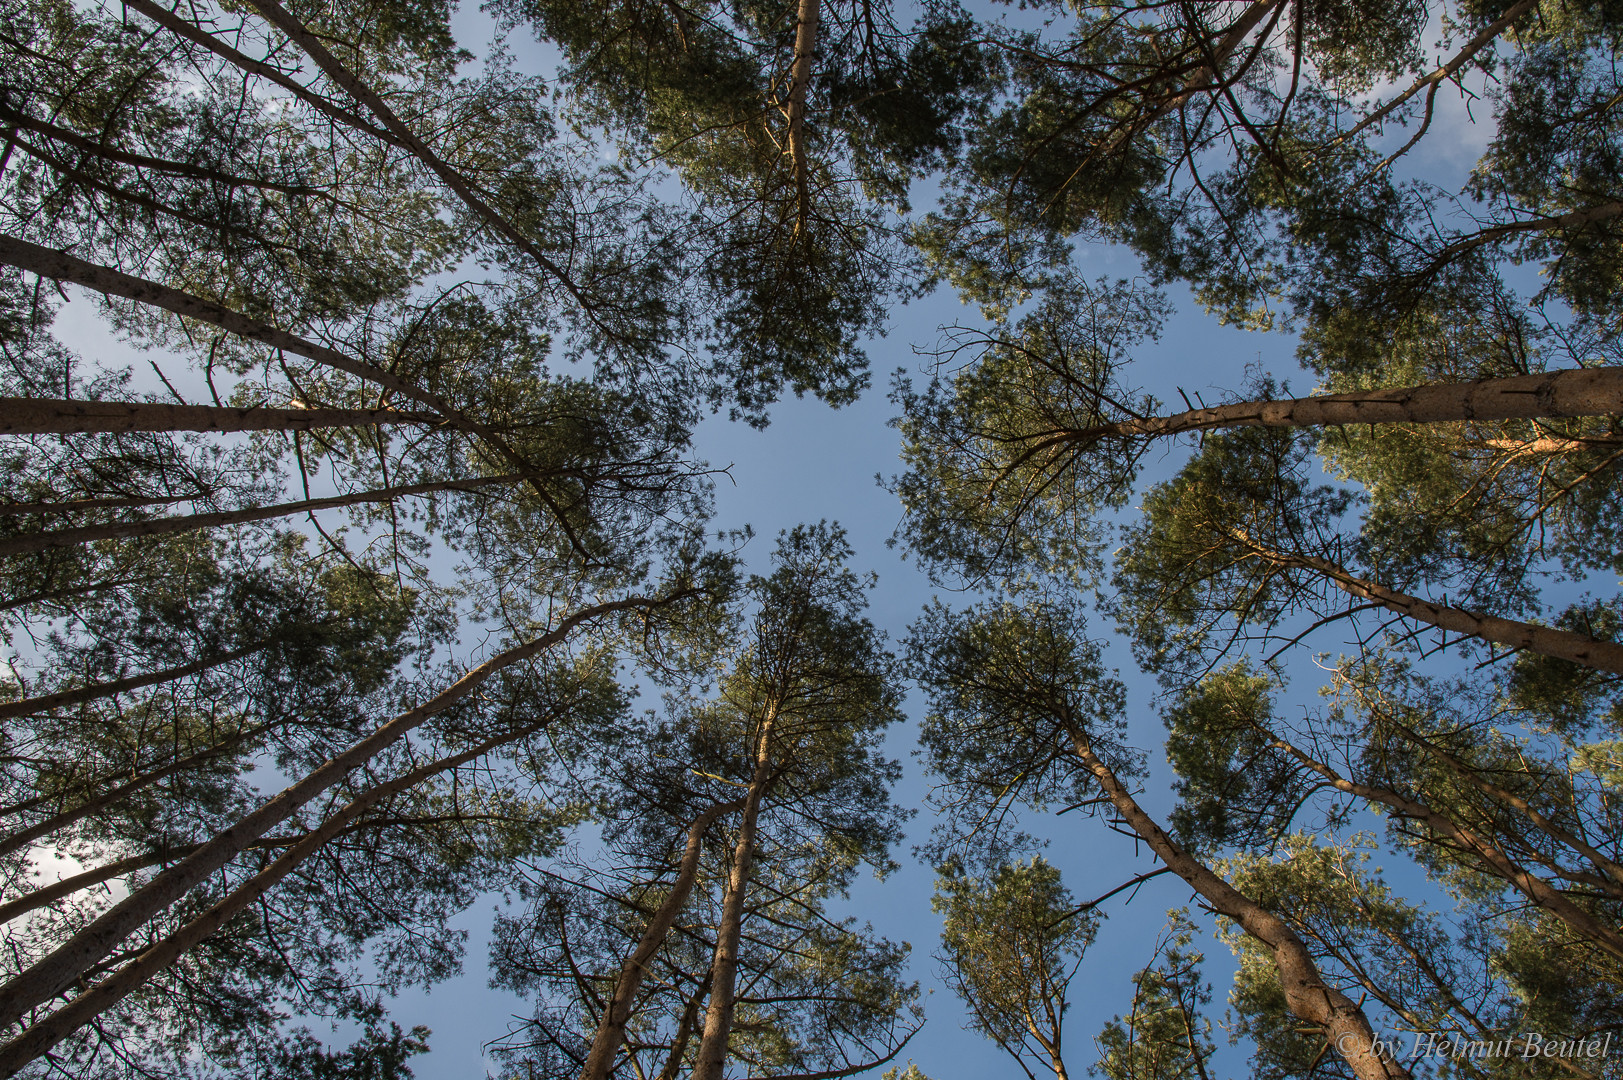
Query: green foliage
x,y
1011,941
1165,1035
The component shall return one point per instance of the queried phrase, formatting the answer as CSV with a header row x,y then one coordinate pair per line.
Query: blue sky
x,y
813,463
817,463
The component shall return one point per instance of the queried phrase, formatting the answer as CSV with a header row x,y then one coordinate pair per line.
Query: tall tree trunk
x,y
62,820
353,85
47,702
1550,394
800,75
1562,644
198,36
1535,888
48,262
718,1018
1308,996
39,1037
684,1034
611,1029
59,969
51,416
62,266
167,526
1488,34
55,891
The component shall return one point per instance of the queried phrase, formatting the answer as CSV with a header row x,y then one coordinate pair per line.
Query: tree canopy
x,y
326,615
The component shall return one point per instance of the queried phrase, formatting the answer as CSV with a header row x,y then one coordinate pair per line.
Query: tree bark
x,y
611,1029
47,416
62,967
718,1018
1309,998
197,36
1459,60
167,526
62,820
1550,394
352,84
142,161
1535,888
48,262
46,702
39,1037
62,266
1548,641
800,75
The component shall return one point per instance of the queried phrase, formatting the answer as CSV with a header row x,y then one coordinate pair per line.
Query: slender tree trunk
x,y
1248,21
47,702
1535,888
353,85
1562,644
611,1029
48,595
198,36
167,526
62,820
718,1018
55,891
1550,828
1308,996
800,75
109,502
98,148
684,1035
48,262
1551,394
50,416
62,266
39,1037
58,970
1459,60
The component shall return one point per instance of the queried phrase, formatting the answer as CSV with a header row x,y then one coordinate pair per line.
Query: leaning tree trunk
x,y
56,822
38,1038
51,416
65,965
718,1018
114,687
612,1028
1308,996
167,526
1548,641
1495,861
1546,395
60,265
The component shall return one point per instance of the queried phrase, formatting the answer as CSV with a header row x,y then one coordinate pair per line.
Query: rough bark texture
x,y
718,1018
1310,999
48,262
1562,644
611,1030
1535,888
47,702
58,970
1573,392
166,526
48,416
800,75
39,1037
